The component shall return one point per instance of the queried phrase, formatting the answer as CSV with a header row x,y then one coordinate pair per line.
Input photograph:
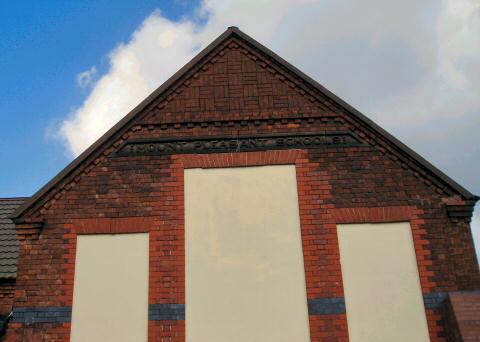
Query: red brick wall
x,y
38,332
7,291
236,92
463,317
421,244
320,246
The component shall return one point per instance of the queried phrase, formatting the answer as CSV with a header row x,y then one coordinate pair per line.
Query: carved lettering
x,y
236,144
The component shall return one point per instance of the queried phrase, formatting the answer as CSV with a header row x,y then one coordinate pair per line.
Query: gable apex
x,y
311,87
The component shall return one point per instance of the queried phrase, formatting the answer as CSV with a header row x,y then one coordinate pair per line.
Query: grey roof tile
x,y
8,237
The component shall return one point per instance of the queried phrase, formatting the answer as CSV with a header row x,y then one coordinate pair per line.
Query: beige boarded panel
x,y
245,279
382,287
110,297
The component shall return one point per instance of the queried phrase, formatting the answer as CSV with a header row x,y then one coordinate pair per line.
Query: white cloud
x,y
458,27
156,50
85,78
413,66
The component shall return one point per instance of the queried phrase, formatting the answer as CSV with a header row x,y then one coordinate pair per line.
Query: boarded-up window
x,y
110,298
245,279
382,287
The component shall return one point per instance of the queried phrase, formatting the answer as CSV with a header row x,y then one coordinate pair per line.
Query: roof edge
x,y
362,117
232,30
123,122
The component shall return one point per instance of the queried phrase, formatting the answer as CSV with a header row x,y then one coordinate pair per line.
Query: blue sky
x,y
70,69
43,46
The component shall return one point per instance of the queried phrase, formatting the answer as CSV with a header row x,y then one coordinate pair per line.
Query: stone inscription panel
x,y
238,144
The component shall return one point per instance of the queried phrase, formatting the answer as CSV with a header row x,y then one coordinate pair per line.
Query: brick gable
x,y
235,89
237,80
234,86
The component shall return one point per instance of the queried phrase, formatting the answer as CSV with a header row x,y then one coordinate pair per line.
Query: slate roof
x,y
8,238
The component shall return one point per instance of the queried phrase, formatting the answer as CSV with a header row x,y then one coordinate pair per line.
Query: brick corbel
x,y
28,228
458,209
459,212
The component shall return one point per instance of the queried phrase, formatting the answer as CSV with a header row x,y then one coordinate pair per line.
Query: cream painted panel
x,y
110,297
382,287
245,278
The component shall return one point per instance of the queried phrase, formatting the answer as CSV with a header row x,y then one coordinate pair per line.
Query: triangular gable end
x,y
234,85
296,79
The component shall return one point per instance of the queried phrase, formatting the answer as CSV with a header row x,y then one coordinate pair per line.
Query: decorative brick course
x,y
111,226
372,215
42,315
166,312
326,306
435,300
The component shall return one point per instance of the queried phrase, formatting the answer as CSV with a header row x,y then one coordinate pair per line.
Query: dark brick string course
x,y
156,312
166,312
176,312
42,315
